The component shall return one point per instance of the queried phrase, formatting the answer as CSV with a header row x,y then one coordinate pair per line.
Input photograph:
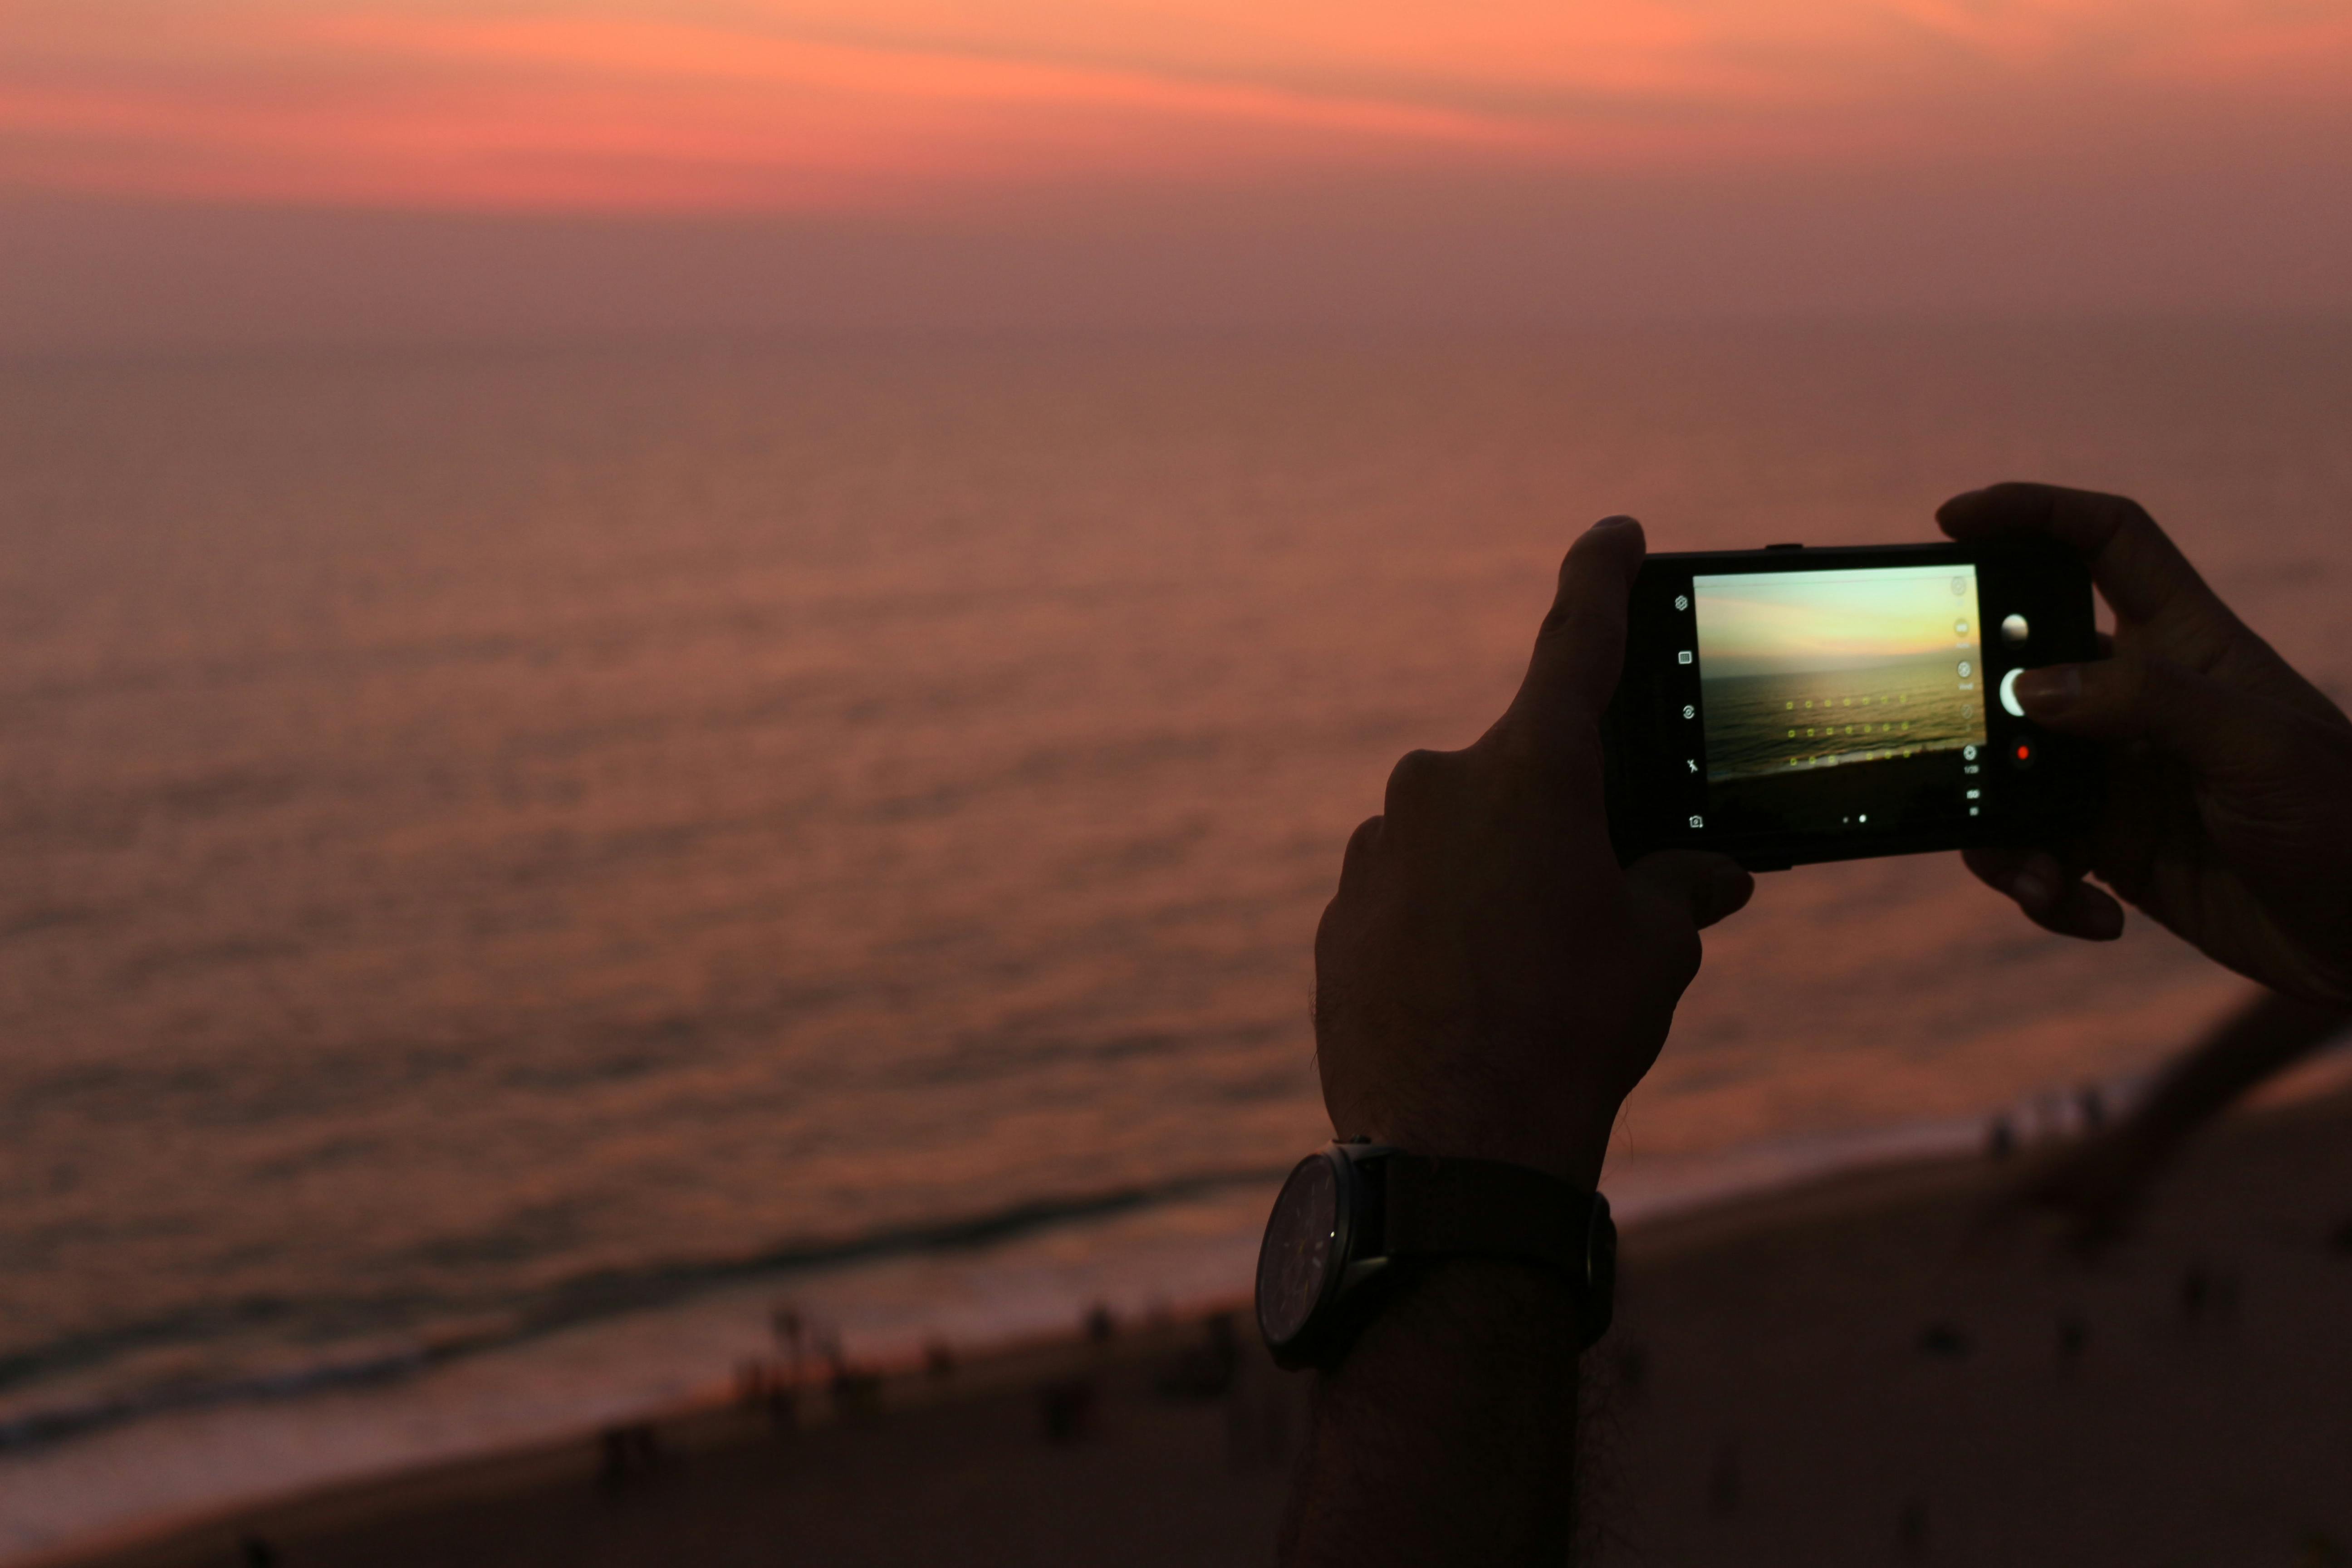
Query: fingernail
x,y
1620,521
1958,503
2048,692
2031,888
1727,891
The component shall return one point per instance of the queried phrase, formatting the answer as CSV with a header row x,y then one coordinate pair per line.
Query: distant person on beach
x,y
1490,984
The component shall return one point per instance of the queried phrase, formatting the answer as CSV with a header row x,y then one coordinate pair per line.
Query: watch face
x,y
1600,1271
1600,1243
1297,1257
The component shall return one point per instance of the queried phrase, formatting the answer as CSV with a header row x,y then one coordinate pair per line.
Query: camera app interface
x,y
1836,699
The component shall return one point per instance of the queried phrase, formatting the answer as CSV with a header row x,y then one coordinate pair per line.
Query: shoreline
x,y
762,1403
759,1405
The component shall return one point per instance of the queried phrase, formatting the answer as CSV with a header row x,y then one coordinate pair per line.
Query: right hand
x,y
2229,809
1488,982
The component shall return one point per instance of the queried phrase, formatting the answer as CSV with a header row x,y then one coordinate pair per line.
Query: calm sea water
x,y
512,862
1760,726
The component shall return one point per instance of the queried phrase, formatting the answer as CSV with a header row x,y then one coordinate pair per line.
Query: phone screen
x,y
1840,699
1785,708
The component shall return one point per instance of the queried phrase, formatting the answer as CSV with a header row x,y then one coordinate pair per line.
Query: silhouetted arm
x,y
2259,1041
1448,1436
1490,984
2098,1183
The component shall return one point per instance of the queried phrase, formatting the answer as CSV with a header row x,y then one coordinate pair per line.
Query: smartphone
x,y
1789,705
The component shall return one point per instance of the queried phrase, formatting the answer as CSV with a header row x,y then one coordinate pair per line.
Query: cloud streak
x,y
905,104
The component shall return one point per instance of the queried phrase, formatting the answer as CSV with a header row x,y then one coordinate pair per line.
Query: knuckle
x,y
1513,745
2150,682
1680,951
1526,744
1420,779
1559,620
2123,518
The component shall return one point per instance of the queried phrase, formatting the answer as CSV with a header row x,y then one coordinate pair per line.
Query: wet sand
x,y
1833,1375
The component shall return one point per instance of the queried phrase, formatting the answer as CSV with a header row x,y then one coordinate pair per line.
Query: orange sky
x,y
851,105
240,171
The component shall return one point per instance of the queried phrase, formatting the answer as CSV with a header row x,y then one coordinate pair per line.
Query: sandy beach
x,y
1850,1372
1860,1374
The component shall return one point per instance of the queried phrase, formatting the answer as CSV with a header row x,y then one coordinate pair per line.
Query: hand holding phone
x,y
1788,705
2228,810
1490,982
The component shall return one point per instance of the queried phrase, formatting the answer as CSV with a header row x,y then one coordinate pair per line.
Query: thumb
x,y
2140,697
1706,887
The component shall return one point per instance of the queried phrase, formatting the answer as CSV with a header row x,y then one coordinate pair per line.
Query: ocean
x,y
1760,726
514,862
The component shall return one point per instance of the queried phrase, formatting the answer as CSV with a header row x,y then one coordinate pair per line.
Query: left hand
x,y
2227,771
1489,983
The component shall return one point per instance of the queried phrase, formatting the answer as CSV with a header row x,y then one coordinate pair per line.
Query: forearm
x,y
1448,1435
2265,1038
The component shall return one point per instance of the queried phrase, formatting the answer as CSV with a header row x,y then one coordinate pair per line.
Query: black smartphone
x,y
1788,705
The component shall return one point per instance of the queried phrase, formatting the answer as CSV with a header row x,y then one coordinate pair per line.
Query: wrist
x,y
1446,1435
1571,1142
1493,1313
1356,1222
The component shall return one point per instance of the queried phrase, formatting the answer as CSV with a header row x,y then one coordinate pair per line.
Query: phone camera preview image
x,y
1841,699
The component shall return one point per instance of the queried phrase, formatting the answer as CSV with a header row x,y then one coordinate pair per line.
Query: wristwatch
x,y
1354,1217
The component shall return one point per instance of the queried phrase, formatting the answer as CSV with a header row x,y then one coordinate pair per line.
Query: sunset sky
x,y
1021,124
1773,621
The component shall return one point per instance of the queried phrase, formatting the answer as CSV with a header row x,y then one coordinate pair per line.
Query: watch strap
x,y
1435,1208
1485,1208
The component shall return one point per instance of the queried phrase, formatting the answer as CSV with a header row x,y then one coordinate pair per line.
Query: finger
x,y
1709,888
2032,876
2136,566
1356,862
1581,648
2137,697
2053,896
